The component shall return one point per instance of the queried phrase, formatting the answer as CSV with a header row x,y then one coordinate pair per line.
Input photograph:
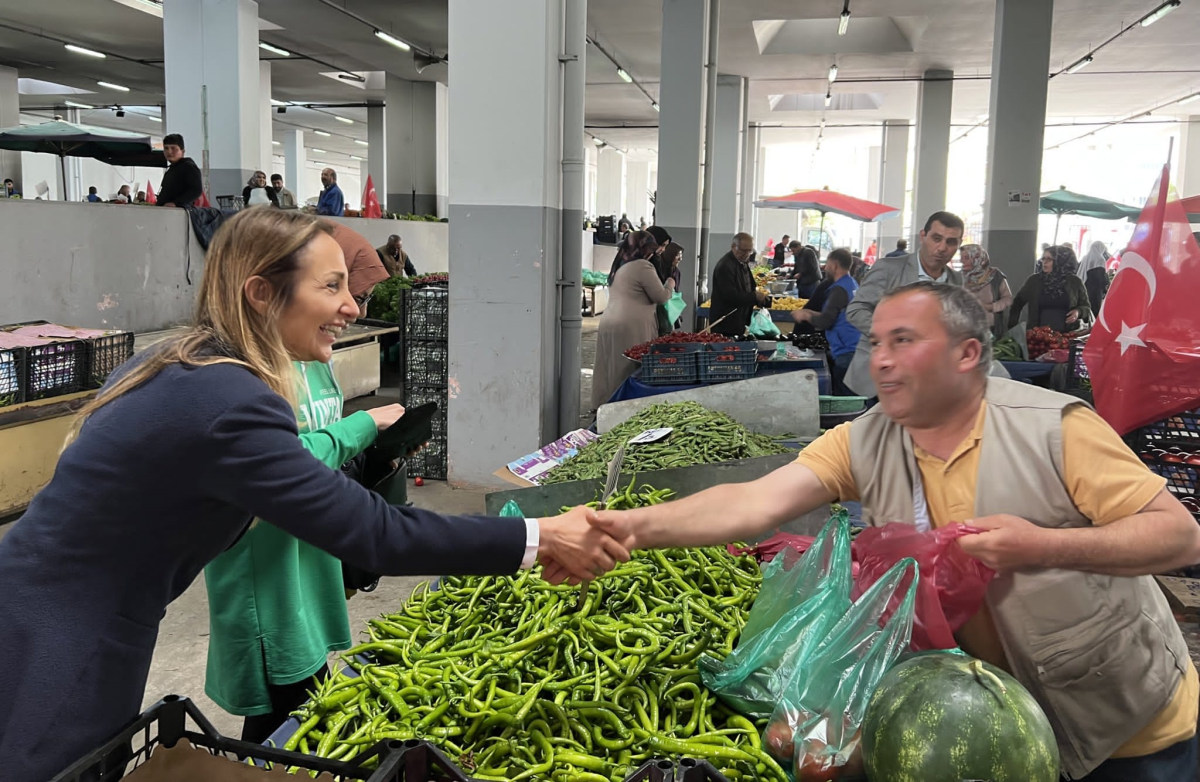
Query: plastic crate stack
x,y
425,321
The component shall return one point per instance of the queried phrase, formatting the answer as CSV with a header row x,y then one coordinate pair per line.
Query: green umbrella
x,y
1063,202
67,138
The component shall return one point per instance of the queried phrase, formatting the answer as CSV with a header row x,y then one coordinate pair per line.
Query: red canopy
x,y
824,201
1191,205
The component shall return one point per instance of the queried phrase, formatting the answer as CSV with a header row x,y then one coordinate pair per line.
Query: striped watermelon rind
x,y
948,717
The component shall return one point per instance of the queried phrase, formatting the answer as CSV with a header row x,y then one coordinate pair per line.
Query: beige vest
x,y
1103,655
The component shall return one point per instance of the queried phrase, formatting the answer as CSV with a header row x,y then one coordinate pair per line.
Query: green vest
x,y
276,604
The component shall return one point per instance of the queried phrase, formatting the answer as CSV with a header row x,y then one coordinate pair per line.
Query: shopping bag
x,y
801,598
511,510
675,306
953,583
761,325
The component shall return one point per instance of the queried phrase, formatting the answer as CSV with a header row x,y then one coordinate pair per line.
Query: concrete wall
x,y
428,244
97,265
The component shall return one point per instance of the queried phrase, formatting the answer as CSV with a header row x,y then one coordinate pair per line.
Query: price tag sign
x,y
651,436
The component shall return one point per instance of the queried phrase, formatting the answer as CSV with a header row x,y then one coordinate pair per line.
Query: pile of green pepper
x,y
700,436
507,677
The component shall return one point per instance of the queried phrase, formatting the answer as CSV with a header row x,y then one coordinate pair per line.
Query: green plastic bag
x,y
512,510
761,325
675,306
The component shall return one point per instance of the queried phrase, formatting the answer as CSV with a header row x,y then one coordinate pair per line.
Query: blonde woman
x,y
175,456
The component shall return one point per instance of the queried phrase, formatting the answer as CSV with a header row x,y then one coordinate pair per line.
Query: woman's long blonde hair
x,y
265,243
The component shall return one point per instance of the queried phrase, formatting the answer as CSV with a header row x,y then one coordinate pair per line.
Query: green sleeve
x,y
1080,299
341,441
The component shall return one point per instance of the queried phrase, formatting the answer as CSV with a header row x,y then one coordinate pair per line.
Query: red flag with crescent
x,y
1143,356
371,201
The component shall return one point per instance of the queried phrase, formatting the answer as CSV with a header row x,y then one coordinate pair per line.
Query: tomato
x,y
1193,458
1174,458
1146,456
418,481
778,740
814,766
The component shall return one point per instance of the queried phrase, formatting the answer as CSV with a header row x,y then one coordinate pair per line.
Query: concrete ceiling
x,y
784,47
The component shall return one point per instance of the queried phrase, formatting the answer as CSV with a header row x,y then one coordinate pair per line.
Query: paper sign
x,y
651,436
546,458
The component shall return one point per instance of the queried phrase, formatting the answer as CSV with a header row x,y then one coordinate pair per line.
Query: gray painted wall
x,y
428,244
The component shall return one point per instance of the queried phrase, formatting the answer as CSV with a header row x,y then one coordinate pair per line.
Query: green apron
x,y
276,604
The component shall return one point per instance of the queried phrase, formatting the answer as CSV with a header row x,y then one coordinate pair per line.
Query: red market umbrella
x,y
826,200
1191,205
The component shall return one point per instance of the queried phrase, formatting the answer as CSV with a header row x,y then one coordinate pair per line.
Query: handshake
x,y
582,544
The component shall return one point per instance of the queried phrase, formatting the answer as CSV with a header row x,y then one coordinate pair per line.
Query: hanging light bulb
x,y
833,70
844,20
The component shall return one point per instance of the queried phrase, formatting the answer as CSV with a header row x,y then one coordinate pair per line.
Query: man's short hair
x,y
841,256
742,237
276,178
91,190
947,219
962,315
175,139
901,244
394,237
795,246
332,173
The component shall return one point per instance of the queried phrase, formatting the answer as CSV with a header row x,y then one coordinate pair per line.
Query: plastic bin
x,y
426,312
725,361
842,404
56,369
667,365
1179,433
106,354
12,376
426,364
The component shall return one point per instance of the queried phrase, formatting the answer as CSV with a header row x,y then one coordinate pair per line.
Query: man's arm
x,y
409,269
861,311
836,301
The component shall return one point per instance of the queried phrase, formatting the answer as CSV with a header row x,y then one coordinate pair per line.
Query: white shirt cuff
x,y
533,537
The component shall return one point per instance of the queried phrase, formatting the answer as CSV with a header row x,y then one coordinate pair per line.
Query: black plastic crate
x,y
56,369
107,353
1077,371
175,718
1178,431
426,364
671,364
430,462
724,361
426,312
12,376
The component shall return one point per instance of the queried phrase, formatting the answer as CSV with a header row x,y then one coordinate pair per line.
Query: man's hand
x,y
803,316
571,549
1010,542
386,416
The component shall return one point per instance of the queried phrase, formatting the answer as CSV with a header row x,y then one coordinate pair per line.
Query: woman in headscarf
x,y
1093,270
634,291
988,284
1055,295
257,193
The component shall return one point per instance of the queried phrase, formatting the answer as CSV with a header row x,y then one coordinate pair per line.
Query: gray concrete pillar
x,y
1020,61
10,117
610,185
265,113
637,197
295,163
505,225
870,231
377,160
750,182
681,133
412,140
212,84
934,100
441,95
1188,176
727,159
893,177
591,167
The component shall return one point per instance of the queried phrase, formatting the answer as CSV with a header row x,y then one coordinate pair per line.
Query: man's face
x,y
327,177
939,243
277,183
918,369
173,153
743,249
395,242
831,268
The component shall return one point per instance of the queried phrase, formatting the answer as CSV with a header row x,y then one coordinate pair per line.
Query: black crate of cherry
x,y
1171,448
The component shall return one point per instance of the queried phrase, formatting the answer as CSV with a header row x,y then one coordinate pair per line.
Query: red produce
x,y
674,338
1173,458
1193,459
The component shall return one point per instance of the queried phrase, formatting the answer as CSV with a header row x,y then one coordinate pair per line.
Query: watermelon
x,y
946,717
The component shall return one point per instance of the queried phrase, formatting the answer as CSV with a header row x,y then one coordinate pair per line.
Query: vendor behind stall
x,y
734,293
841,335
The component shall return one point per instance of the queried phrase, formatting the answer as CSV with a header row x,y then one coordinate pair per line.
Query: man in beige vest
x,y
1075,526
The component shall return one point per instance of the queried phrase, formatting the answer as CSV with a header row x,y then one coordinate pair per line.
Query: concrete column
x,y
364,171
441,94
412,140
870,231
760,178
680,134
933,145
610,185
10,116
726,163
893,176
212,80
749,176
505,225
592,165
265,113
1020,61
295,158
72,167
637,197
377,161
1187,177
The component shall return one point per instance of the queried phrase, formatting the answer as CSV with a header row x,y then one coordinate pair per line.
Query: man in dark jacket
x,y
182,184
733,290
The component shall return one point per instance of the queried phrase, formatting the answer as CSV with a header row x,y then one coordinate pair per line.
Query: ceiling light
x,y
362,143
833,73
844,20
828,98
153,119
318,151
80,50
625,77
275,143
656,107
1189,99
278,102
75,105
357,157
348,76
155,4
112,86
393,40
822,124
597,141
347,120
1080,65
274,49
1160,12
322,133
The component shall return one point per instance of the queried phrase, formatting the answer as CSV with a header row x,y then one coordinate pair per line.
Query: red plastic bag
x,y
766,551
951,584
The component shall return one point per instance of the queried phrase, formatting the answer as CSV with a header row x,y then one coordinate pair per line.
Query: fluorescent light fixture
x,y
822,124
274,49
656,107
322,133
1080,64
357,157
153,119
112,86
275,143
278,102
1160,12
347,120
318,151
393,40
844,21
80,50
75,105
1189,99
362,143
597,141
828,98
833,73
625,77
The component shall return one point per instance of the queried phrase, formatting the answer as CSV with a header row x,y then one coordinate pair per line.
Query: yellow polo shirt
x,y
1106,481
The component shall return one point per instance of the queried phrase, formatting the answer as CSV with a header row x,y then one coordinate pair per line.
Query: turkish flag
x,y
371,201
1143,356
150,197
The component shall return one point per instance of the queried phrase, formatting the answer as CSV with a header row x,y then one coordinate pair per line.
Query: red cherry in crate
x,y
418,481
